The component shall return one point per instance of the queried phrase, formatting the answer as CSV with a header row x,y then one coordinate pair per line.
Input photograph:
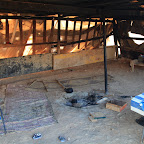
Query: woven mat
x,y
25,110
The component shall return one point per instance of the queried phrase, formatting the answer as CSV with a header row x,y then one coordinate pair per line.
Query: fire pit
x,y
83,101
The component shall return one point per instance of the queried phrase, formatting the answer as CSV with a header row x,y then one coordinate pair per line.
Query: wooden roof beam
x,y
39,8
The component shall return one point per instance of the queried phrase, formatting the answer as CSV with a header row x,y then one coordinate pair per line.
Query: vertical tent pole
x,y
105,56
34,35
66,30
73,36
21,31
94,32
44,30
58,38
87,35
80,33
7,31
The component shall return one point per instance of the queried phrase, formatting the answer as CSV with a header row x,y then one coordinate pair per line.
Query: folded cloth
x,y
137,104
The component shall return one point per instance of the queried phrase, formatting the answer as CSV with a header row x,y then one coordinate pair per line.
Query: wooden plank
x,y
62,42
94,32
111,3
92,119
74,28
7,31
58,38
97,115
21,31
44,85
34,34
14,32
50,18
87,33
44,30
81,58
80,33
24,65
43,8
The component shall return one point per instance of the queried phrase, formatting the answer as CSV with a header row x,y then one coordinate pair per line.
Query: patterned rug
x,y
25,110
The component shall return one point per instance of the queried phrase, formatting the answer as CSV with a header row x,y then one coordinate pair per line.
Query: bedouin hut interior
x,y
71,71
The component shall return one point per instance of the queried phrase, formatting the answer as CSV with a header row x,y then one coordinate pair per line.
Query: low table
x,y
135,62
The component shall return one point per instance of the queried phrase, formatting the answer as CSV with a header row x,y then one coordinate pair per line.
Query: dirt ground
x,y
73,123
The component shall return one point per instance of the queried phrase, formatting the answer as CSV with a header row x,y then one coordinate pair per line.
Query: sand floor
x,y
73,123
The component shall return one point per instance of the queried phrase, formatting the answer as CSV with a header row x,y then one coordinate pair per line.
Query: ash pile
x,y
83,101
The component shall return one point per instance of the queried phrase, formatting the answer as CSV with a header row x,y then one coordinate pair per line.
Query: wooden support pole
x,y
100,30
50,38
73,36
58,38
7,31
34,34
21,31
25,41
14,32
94,32
80,33
115,36
52,30
44,30
66,35
105,57
66,32
87,33
118,33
